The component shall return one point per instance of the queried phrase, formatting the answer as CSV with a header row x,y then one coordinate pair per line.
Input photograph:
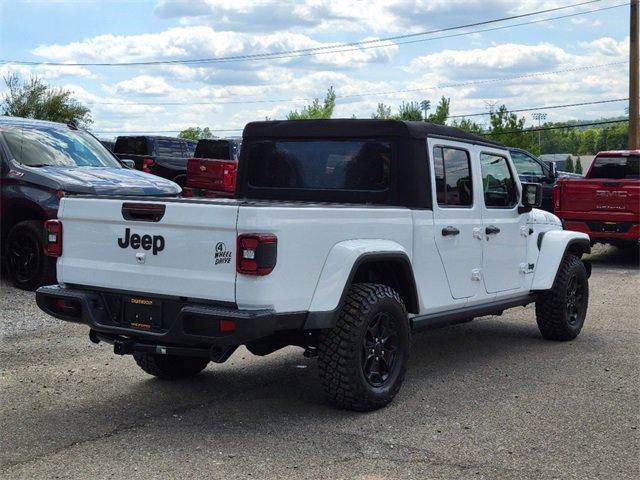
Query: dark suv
x,y
41,163
163,156
533,170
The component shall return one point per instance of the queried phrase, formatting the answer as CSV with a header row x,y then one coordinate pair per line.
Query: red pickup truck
x,y
606,203
212,171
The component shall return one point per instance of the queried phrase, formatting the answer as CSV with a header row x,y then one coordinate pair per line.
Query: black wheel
x,y
560,312
363,359
170,367
27,265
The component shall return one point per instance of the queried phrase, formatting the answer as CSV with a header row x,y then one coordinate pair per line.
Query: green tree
x,y
568,164
578,167
383,112
35,99
316,110
442,112
409,111
195,133
507,128
468,126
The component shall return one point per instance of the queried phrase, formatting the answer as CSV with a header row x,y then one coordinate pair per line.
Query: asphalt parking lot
x,y
489,399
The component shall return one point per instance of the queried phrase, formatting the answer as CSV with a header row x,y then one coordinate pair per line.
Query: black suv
x,y
162,156
43,162
533,170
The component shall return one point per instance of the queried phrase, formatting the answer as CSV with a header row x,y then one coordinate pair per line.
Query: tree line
x,y
33,98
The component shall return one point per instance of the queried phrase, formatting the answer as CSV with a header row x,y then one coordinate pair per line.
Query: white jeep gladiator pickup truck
x,y
343,237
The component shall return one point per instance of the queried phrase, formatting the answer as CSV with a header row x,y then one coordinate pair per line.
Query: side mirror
x,y
531,197
553,170
128,163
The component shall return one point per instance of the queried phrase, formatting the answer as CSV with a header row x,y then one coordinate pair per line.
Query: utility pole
x,y
539,116
634,108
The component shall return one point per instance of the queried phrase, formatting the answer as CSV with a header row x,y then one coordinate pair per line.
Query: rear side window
x,y
498,183
131,145
616,167
361,165
454,186
166,147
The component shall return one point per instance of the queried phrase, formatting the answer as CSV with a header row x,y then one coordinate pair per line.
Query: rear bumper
x,y
184,324
604,230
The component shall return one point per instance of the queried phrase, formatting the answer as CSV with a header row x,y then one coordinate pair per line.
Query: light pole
x,y
425,105
539,117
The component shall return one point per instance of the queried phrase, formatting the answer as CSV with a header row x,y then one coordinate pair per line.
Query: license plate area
x,y
143,313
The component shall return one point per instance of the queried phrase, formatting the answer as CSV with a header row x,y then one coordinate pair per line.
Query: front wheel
x,y
170,367
560,312
363,359
27,265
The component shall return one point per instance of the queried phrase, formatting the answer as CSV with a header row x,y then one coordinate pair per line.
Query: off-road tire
x,y
28,236
170,367
341,349
552,312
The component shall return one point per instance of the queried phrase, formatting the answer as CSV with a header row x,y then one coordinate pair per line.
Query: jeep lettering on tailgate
x,y
147,242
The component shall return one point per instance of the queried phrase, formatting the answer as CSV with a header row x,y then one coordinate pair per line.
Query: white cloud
x,y
46,72
143,85
195,42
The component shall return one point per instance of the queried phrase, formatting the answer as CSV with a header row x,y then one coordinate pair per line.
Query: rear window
x,y
217,149
616,167
169,148
356,165
131,145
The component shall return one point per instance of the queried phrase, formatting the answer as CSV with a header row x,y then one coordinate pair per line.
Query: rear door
x,y
504,229
457,216
178,248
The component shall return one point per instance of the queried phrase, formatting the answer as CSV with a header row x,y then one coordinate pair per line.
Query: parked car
x,y
162,156
345,236
531,169
605,204
43,162
212,171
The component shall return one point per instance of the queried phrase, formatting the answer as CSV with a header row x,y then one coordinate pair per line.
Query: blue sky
x,y
84,31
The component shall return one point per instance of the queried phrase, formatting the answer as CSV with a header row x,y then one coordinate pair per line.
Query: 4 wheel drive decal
x,y
222,255
147,242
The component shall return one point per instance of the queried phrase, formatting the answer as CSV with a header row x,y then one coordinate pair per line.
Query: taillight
x,y
257,254
229,171
147,163
557,197
53,238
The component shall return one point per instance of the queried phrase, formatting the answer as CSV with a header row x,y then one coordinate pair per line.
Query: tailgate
x,y
123,245
620,196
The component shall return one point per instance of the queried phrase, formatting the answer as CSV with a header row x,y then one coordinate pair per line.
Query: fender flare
x,y
554,245
335,280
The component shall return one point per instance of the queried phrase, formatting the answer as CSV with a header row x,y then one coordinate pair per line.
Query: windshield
x,y
525,165
44,146
616,167
320,165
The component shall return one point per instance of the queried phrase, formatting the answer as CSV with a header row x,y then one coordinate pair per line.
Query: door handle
x,y
446,231
491,230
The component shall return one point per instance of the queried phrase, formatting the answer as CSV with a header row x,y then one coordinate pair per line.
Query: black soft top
x,y
351,127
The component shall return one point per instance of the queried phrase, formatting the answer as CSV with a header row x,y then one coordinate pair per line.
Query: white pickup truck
x,y
344,236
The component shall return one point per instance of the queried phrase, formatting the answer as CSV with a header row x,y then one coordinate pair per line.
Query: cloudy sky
x,y
569,60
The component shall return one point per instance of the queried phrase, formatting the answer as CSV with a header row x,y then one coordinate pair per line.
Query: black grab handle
x,y
446,231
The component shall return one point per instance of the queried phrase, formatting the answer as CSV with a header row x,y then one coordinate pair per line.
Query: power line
x,y
557,127
359,95
548,107
337,48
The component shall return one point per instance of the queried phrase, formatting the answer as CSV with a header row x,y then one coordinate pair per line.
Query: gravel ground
x,y
488,399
